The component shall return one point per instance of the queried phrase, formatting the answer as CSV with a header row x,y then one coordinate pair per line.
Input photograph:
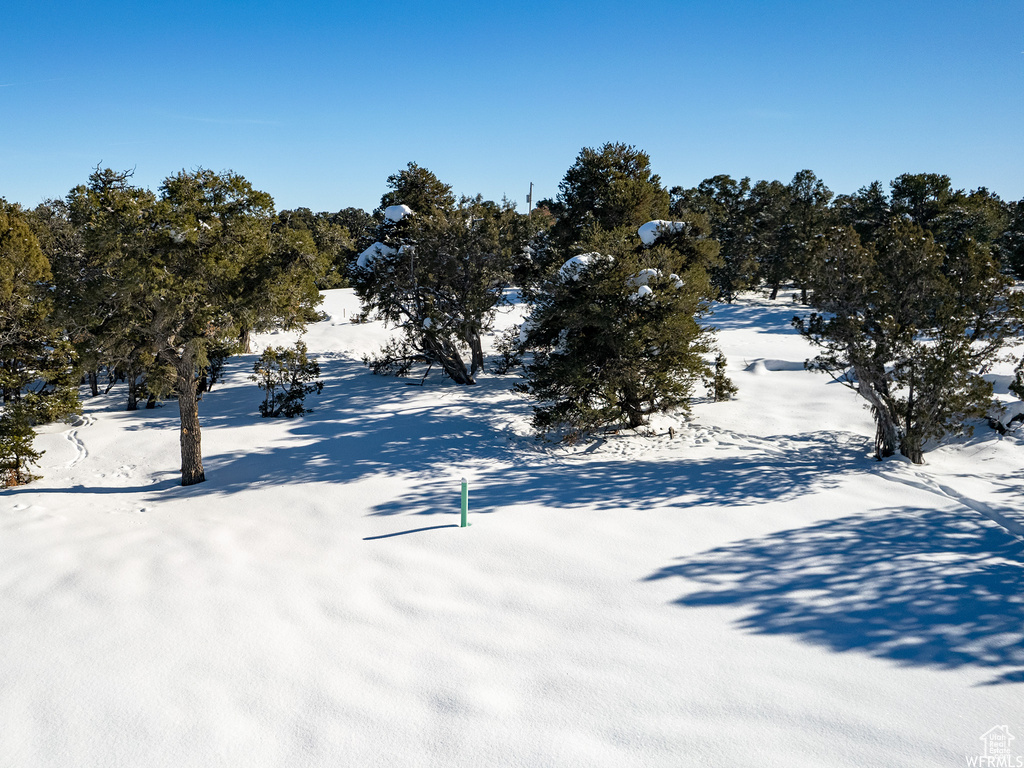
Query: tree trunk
x,y
449,358
887,433
133,391
911,447
191,439
94,383
631,407
775,291
476,351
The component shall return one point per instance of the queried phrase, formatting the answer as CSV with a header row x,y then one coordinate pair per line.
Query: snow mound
x,y
395,213
373,252
572,269
765,365
650,231
643,277
643,292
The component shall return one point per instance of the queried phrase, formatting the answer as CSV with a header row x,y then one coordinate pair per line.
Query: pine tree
x,y
100,291
768,214
727,205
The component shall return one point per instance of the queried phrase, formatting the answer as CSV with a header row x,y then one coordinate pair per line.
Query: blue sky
x,y
318,103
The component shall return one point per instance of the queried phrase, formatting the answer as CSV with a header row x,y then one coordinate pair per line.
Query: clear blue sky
x,y
318,103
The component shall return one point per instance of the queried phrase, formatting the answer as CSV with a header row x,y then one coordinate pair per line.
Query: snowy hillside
x,y
752,590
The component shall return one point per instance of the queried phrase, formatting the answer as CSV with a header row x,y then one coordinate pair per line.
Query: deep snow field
x,y
752,591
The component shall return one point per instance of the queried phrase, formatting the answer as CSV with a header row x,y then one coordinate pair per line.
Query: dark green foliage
x,y
38,372
768,215
1011,241
921,197
721,385
1017,385
612,343
867,210
287,376
168,285
97,240
801,238
510,353
606,188
330,241
16,451
727,204
419,189
439,275
897,325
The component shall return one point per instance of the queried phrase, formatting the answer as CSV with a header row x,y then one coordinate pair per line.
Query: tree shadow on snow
x,y
811,461
372,426
922,587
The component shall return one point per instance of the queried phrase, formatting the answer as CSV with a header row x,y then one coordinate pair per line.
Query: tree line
x,y
908,292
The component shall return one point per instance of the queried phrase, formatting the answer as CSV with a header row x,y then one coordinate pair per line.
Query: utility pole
x,y
529,202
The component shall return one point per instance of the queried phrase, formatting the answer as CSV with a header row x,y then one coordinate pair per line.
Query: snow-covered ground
x,y
753,590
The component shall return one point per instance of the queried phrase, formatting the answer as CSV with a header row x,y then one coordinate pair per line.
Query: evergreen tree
x,y
615,337
100,290
895,327
332,242
802,236
38,375
439,276
921,197
1011,241
727,205
287,376
605,189
768,214
208,278
420,190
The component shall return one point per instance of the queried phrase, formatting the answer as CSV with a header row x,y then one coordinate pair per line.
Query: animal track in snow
x,y
81,451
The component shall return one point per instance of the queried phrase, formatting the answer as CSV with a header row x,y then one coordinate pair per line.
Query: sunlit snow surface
x,y
749,590
650,231
395,213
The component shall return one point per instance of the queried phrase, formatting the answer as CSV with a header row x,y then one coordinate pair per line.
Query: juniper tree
x,y
896,328
606,188
807,218
768,214
331,241
438,274
38,373
1011,241
287,376
99,285
615,336
727,205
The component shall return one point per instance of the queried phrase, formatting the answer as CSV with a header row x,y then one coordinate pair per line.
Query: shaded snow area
x,y
749,590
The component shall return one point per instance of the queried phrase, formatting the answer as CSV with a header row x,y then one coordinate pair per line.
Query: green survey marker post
x,y
465,502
